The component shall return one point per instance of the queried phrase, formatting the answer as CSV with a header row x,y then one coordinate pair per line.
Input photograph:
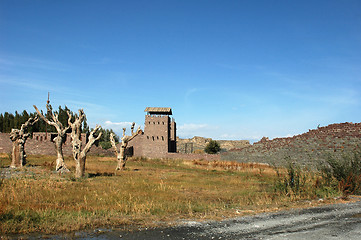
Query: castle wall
x,y
193,156
137,145
5,143
156,136
41,144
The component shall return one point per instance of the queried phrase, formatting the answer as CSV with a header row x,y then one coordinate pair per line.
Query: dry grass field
x,y
150,192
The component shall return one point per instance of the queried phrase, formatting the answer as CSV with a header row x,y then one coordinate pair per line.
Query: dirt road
x,y
338,221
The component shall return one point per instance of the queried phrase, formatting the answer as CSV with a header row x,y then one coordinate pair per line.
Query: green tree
x,y
8,122
212,147
1,122
85,127
17,120
104,141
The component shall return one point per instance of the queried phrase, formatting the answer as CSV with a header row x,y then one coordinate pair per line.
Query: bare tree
x,y
121,155
19,137
59,139
79,155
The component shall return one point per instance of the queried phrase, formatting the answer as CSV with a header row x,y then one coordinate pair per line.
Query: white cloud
x,y
84,105
118,126
189,130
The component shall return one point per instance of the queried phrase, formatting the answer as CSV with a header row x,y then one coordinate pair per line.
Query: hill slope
x,y
308,148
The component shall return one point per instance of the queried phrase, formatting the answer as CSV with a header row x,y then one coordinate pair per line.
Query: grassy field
x,y
150,192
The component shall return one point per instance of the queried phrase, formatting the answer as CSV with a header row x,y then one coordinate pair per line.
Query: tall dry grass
x,y
147,192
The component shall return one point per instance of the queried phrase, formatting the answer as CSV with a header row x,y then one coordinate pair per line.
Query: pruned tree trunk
x,y
60,164
16,159
122,160
121,155
79,154
59,139
19,137
80,166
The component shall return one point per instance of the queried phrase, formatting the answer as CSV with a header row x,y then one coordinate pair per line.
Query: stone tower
x,y
159,137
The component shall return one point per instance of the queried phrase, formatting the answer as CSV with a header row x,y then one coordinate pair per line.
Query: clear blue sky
x,y
229,69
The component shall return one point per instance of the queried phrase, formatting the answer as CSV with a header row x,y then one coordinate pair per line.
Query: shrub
x,y
212,147
105,145
347,172
294,180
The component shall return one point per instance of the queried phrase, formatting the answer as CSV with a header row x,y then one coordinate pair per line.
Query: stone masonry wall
x,y
5,143
308,149
156,135
193,156
43,146
199,143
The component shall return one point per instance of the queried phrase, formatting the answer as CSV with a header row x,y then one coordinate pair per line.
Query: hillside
x,y
308,149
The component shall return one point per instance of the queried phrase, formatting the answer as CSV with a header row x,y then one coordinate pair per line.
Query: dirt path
x,y
338,221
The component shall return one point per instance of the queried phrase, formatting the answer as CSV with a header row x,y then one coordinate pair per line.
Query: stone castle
x,y
159,136
158,140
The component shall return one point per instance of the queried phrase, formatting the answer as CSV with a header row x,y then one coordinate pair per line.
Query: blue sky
x,y
229,69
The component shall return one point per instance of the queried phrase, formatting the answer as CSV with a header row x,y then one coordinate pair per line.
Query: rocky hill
x,y
307,149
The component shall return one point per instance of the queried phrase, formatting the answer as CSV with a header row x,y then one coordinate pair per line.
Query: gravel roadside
x,y
336,221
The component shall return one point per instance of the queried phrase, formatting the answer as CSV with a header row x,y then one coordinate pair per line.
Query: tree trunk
x,y
80,166
22,152
122,158
79,171
16,162
18,154
60,164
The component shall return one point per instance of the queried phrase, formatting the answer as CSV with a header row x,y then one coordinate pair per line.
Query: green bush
x,y
297,182
294,180
212,147
105,145
347,172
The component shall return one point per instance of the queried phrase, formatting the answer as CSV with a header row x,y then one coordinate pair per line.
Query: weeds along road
x,y
338,221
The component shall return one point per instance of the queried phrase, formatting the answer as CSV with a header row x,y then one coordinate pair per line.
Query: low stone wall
x,y
5,143
199,143
193,156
